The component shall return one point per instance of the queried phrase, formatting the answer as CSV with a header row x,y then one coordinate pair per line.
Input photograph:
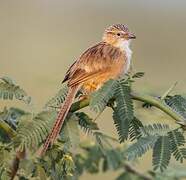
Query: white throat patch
x,y
125,46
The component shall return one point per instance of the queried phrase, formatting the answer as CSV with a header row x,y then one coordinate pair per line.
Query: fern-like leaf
x,y
155,130
86,123
68,166
161,153
123,112
70,133
101,97
177,139
33,130
178,104
134,129
11,116
113,157
140,147
10,90
138,75
58,99
5,156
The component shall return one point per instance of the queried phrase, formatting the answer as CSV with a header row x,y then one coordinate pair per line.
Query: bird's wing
x,y
92,63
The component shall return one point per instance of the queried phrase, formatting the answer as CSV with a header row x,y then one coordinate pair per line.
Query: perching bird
x,y
106,60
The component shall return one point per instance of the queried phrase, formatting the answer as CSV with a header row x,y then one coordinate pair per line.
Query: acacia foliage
x,y
23,133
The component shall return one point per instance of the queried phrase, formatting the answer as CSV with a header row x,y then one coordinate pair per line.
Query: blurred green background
x,y
39,39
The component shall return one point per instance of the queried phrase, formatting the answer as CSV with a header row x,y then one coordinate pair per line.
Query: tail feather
x,y
60,118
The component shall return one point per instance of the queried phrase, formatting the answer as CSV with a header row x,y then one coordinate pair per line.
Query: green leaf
x,y
177,139
134,129
70,133
173,173
58,99
8,80
140,147
91,158
161,153
177,103
33,130
101,97
68,165
155,130
86,123
10,90
123,112
113,158
5,156
41,173
138,75
11,116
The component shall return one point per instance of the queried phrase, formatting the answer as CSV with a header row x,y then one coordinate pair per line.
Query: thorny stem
x,y
158,103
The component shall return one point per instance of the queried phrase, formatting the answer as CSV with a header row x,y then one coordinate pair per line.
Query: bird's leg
x,y
82,95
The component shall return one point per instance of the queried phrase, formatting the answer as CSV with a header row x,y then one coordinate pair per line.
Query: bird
x,y
108,59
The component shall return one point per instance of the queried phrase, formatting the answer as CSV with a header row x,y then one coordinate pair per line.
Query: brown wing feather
x,y
93,62
84,77
66,78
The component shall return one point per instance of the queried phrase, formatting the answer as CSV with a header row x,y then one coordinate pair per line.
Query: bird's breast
x,y
110,63
116,69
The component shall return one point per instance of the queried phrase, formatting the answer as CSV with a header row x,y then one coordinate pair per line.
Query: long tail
x,y
60,118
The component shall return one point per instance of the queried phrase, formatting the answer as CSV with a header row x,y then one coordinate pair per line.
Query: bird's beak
x,y
131,36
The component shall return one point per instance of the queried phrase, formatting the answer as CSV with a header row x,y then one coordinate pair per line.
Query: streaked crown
x,y
117,27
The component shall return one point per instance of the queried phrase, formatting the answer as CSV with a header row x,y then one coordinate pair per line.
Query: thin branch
x,y
130,169
139,97
79,105
168,91
7,129
160,105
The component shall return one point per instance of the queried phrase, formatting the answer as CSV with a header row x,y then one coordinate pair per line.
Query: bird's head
x,y
117,35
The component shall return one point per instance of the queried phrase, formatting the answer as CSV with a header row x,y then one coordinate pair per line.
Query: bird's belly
x,y
112,73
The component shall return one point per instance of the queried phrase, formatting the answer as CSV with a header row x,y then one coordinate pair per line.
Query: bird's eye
x,y
118,34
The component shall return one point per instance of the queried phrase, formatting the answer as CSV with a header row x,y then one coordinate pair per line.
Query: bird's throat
x,y
125,47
